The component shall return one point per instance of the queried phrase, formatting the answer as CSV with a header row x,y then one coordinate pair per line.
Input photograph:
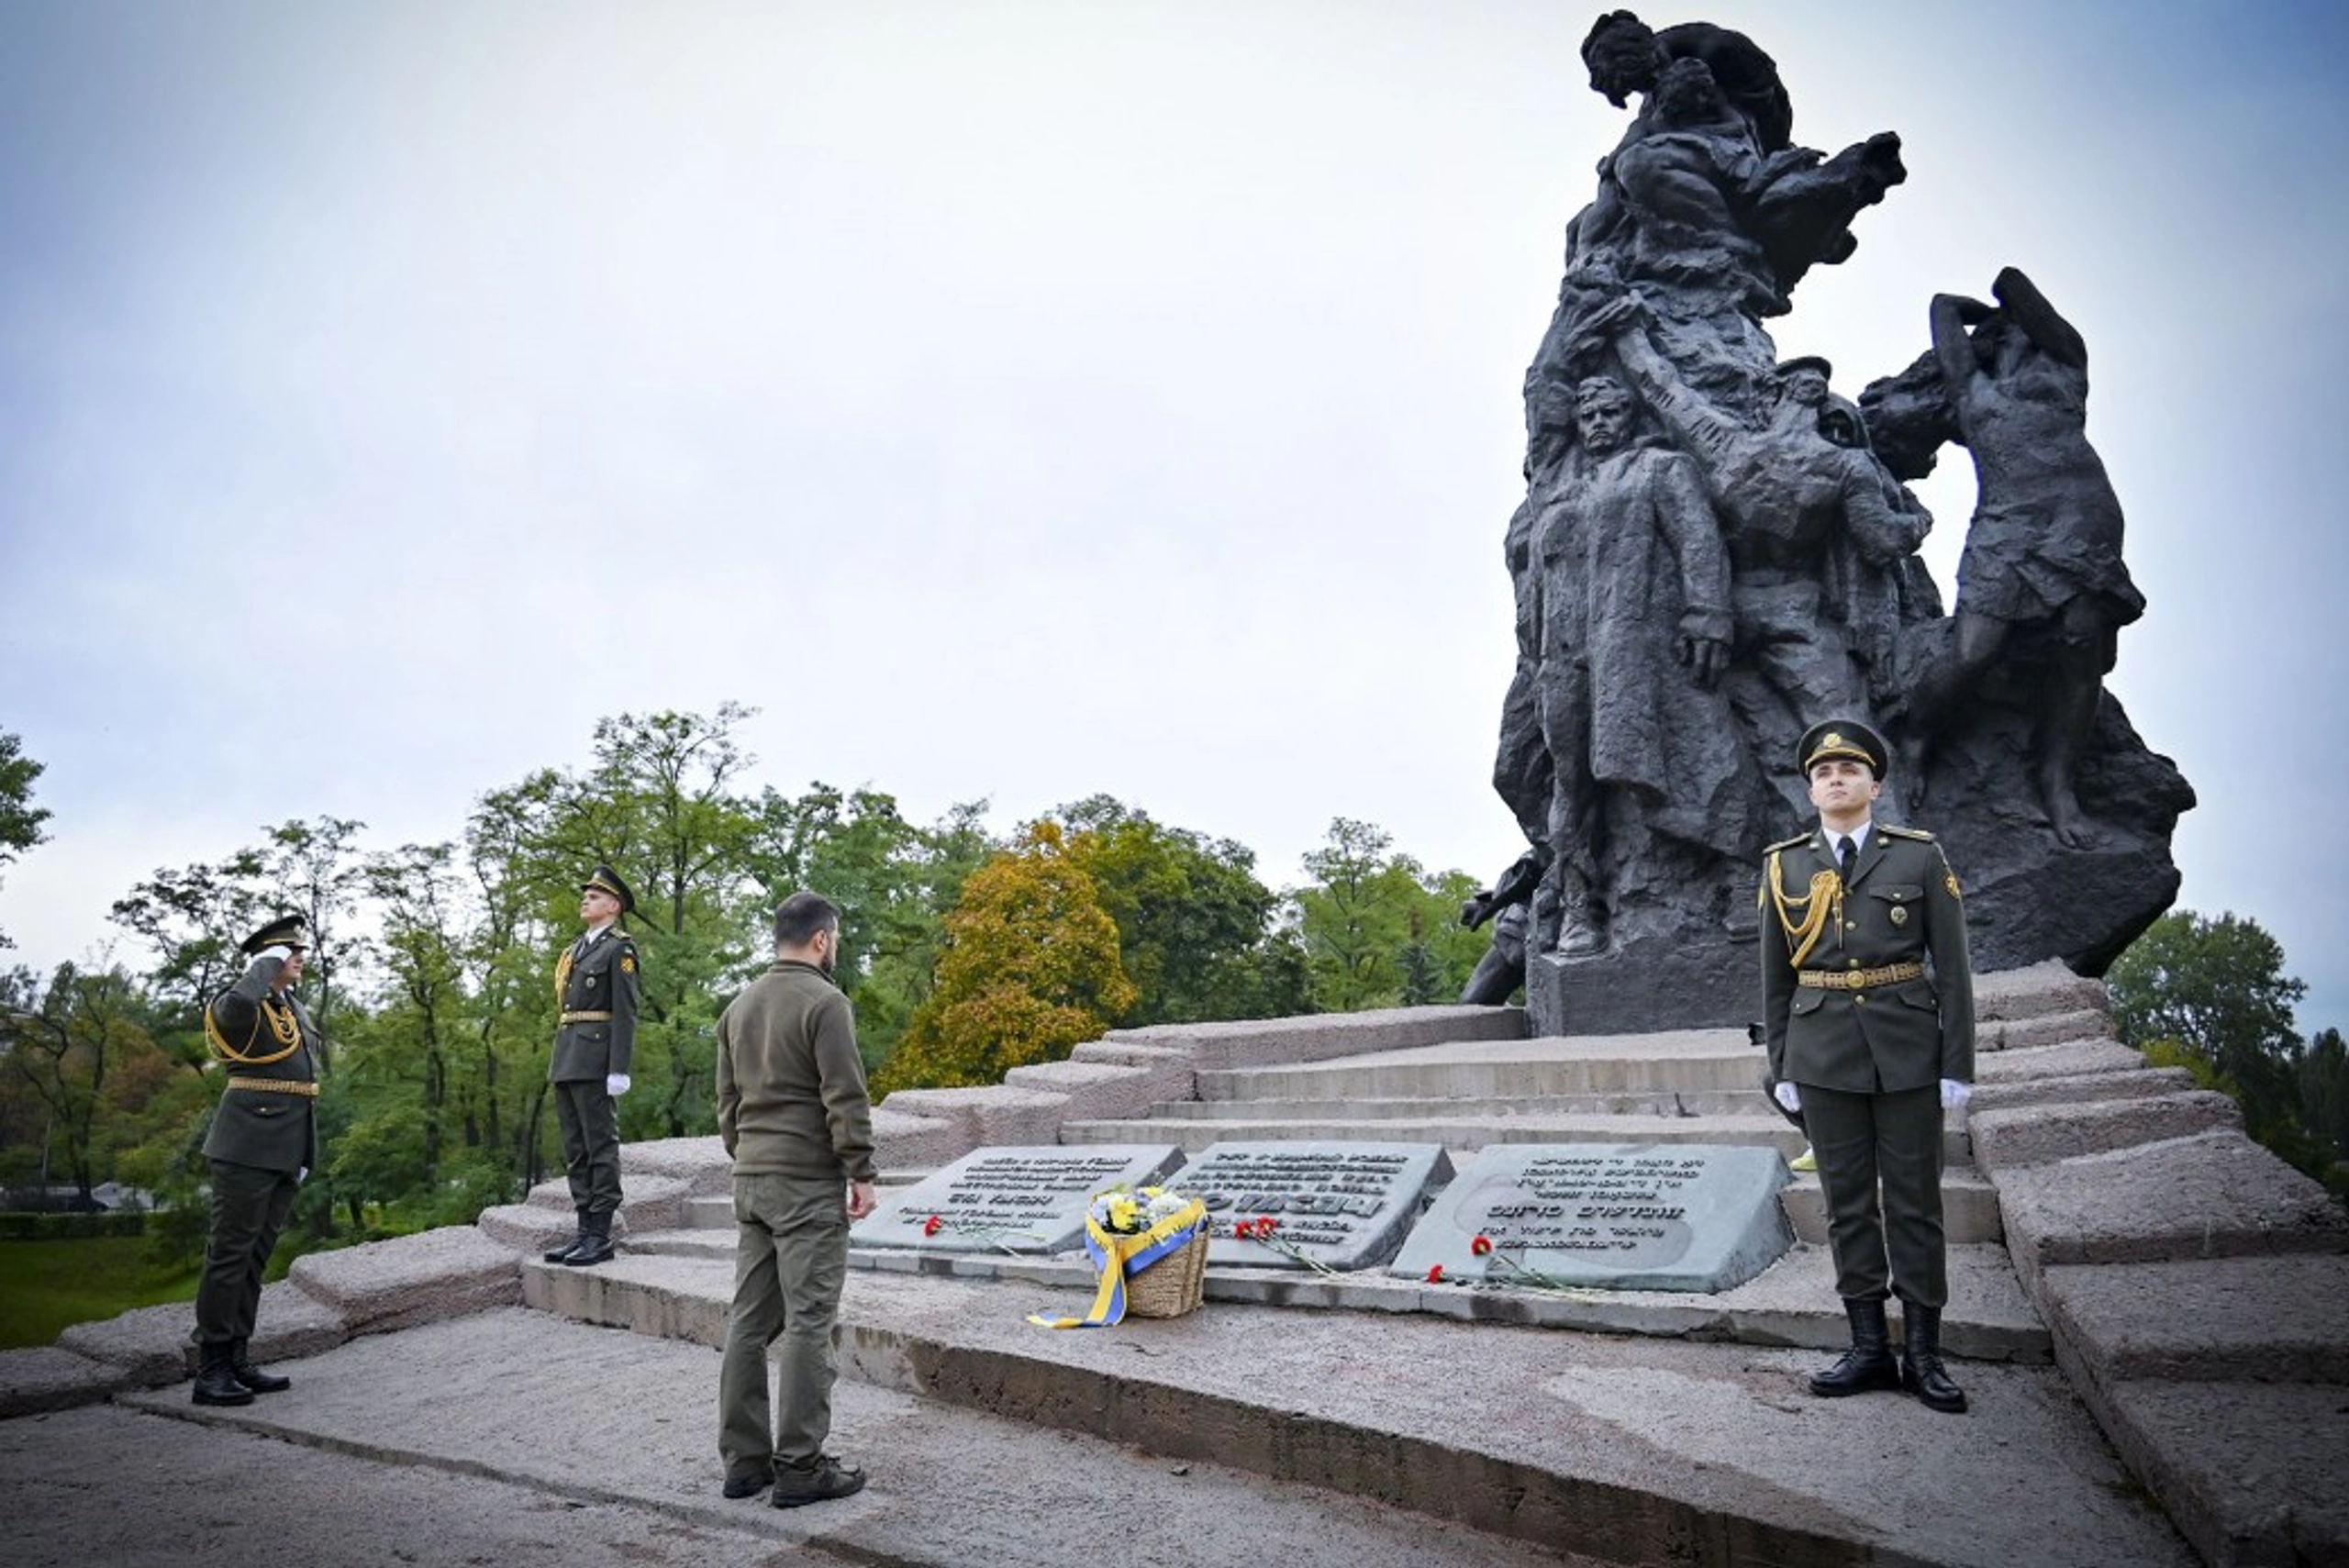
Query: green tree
x,y
2324,1092
1031,970
893,882
70,1046
2217,989
1366,911
20,819
1195,931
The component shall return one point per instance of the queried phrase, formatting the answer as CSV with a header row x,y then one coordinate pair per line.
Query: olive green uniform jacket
x,y
260,1036
1903,907
599,990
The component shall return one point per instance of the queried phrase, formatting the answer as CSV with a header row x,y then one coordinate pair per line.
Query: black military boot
x,y
241,1368
215,1382
1921,1360
562,1254
594,1242
1868,1364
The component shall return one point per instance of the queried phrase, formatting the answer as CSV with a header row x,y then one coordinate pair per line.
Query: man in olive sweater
x,y
793,1113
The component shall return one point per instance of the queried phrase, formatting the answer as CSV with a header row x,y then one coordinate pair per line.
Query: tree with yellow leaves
x,y
1031,970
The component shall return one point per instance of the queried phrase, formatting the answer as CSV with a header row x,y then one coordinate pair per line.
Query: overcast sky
x,y
1019,401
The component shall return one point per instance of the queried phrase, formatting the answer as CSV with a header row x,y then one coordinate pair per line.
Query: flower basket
x,y
1170,1286
1150,1250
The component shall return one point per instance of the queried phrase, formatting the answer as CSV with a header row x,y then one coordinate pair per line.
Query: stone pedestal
x,y
1646,985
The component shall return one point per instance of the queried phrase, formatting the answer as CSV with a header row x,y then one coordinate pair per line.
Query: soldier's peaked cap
x,y
606,879
285,932
1806,363
1832,737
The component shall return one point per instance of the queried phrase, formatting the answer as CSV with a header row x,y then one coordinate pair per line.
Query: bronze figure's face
x,y
1603,414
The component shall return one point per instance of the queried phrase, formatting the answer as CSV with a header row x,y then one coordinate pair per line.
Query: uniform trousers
x,y
250,1207
790,1262
1892,1141
591,1145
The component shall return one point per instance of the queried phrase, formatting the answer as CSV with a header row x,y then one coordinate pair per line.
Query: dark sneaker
x,y
820,1482
748,1483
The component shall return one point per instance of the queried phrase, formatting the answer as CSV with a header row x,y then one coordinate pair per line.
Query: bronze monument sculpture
x,y
1715,549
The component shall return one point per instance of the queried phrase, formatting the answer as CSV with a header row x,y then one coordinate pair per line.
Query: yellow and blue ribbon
x,y
1118,1255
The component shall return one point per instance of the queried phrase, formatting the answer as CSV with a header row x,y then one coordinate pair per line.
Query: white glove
x,y
300,1175
1954,1095
1787,1095
279,953
616,1085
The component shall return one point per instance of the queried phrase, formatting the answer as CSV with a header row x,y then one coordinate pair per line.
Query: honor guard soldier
x,y
595,984
263,1144
1867,998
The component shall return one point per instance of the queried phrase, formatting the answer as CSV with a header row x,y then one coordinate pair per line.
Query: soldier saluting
x,y
263,1144
1867,998
596,983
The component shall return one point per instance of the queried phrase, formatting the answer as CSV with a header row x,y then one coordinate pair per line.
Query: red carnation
x,y
1264,1224
933,1225
1244,1229
1481,1246
1435,1274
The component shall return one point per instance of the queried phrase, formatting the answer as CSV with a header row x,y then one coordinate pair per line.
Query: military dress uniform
x,y
263,1140
596,984
1868,1005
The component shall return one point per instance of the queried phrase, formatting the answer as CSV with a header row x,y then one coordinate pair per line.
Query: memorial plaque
x,y
1028,1200
1344,1205
1646,1217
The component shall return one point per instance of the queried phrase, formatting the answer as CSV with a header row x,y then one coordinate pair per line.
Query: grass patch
x,y
51,1286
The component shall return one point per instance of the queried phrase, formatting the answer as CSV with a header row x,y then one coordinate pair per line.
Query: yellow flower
x,y
1121,1214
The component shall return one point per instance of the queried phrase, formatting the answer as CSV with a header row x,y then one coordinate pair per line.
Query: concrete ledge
x,y
2040,991
639,1294
993,1115
2221,1196
2144,1082
527,1226
2282,1318
2056,1028
699,1162
47,1378
1102,1089
2036,1134
385,1286
1969,1208
156,1345
658,1203
2071,1059
1318,1037
2250,1472
913,1138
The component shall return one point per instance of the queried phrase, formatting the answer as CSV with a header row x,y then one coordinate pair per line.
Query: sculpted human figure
x,y
1813,532
2042,577
1629,548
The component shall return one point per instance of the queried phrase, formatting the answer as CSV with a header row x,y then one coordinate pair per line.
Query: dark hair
x,y
801,917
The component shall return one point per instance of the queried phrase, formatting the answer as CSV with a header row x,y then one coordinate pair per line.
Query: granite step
x,y
1687,1061
1622,1103
1466,1133
679,1284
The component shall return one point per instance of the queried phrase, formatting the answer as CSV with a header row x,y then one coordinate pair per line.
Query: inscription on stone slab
x,y
1346,1205
1015,1199
1650,1217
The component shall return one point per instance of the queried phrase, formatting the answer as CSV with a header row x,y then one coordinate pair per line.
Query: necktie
x,y
1845,857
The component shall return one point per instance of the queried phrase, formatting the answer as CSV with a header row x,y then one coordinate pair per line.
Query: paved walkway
x,y
513,1438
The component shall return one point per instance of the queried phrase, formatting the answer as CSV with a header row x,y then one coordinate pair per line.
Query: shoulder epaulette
x,y
1788,843
1917,833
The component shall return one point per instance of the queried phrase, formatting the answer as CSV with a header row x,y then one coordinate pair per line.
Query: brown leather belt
x,y
1859,979
276,1086
588,1018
